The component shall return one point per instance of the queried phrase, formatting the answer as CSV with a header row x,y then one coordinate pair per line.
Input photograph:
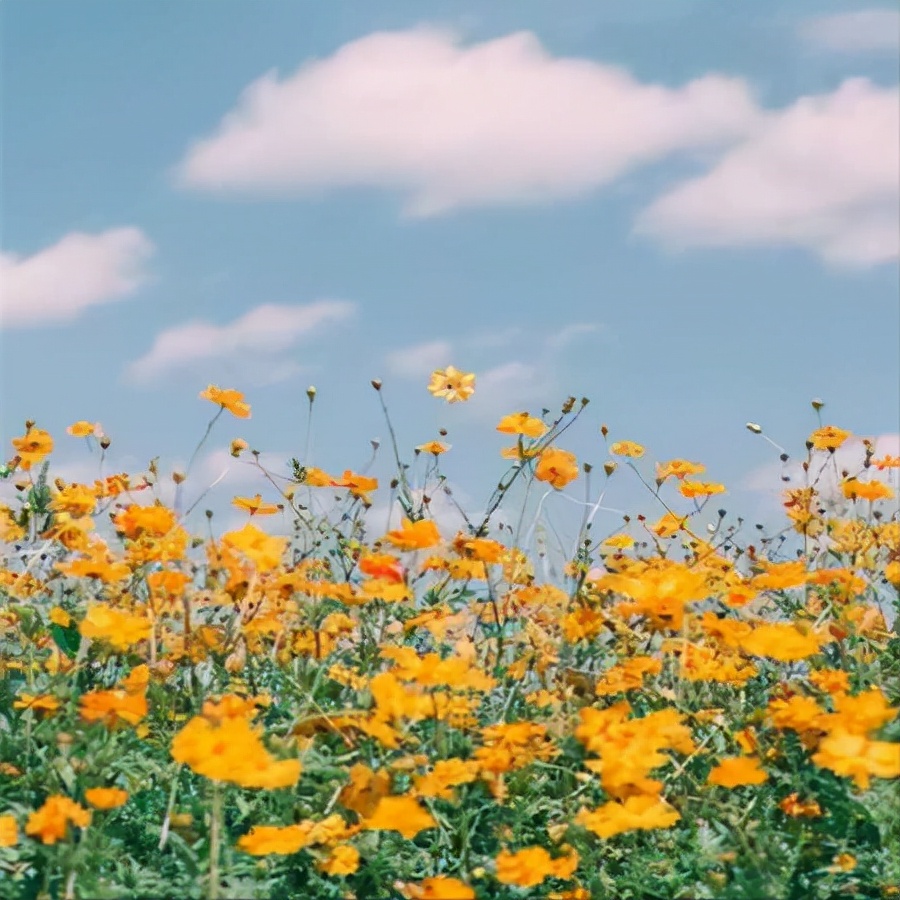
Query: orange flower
x,y
781,641
231,750
9,832
857,757
51,821
452,385
263,840
111,707
105,798
358,485
533,865
886,462
640,812
435,447
522,423
342,860
853,489
414,535
118,628
736,771
557,467
794,807
231,400
383,566
691,489
32,447
264,550
627,448
828,438
255,506
679,468
403,814
441,887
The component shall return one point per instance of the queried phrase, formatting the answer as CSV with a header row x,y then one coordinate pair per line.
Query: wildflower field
x,y
344,711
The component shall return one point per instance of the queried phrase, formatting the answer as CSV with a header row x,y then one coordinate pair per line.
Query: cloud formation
x,y
860,31
455,126
820,174
260,335
60,282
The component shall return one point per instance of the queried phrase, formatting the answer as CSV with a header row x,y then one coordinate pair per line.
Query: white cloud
x,y
826,470
420,360
257,337
452,126
821,174
861,31
59,283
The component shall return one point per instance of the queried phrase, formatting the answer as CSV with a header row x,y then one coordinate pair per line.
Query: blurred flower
x,y
627,448
828,438
736,771
105,798
50,822
522,423
32,447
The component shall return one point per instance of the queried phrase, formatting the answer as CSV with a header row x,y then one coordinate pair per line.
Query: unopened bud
x,y
105,442
567,406
610,467
29,424
376,383
311,393
817,404
604,430
752,426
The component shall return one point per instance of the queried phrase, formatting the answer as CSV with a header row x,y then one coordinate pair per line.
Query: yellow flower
x,y
118,628
557,467
828,438
533,865
255,505
263,840
736,771
59,616
627,448
32,447
9,832
435,447
452,385
81,428
640,812
857,757
105,798
679,468
854,489
343,860
43,703
691,489
231,400
522,423
403,814
441,887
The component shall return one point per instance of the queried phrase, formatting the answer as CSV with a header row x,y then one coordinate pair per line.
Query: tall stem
x,y
214,841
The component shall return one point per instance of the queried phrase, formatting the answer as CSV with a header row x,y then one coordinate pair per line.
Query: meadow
x,y
342,712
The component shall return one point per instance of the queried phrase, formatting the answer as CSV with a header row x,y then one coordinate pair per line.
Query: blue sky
x,y
684,211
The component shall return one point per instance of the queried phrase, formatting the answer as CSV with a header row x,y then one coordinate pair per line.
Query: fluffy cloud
x,y
861,31
821,174
258,337
59,283
420,360
452,126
